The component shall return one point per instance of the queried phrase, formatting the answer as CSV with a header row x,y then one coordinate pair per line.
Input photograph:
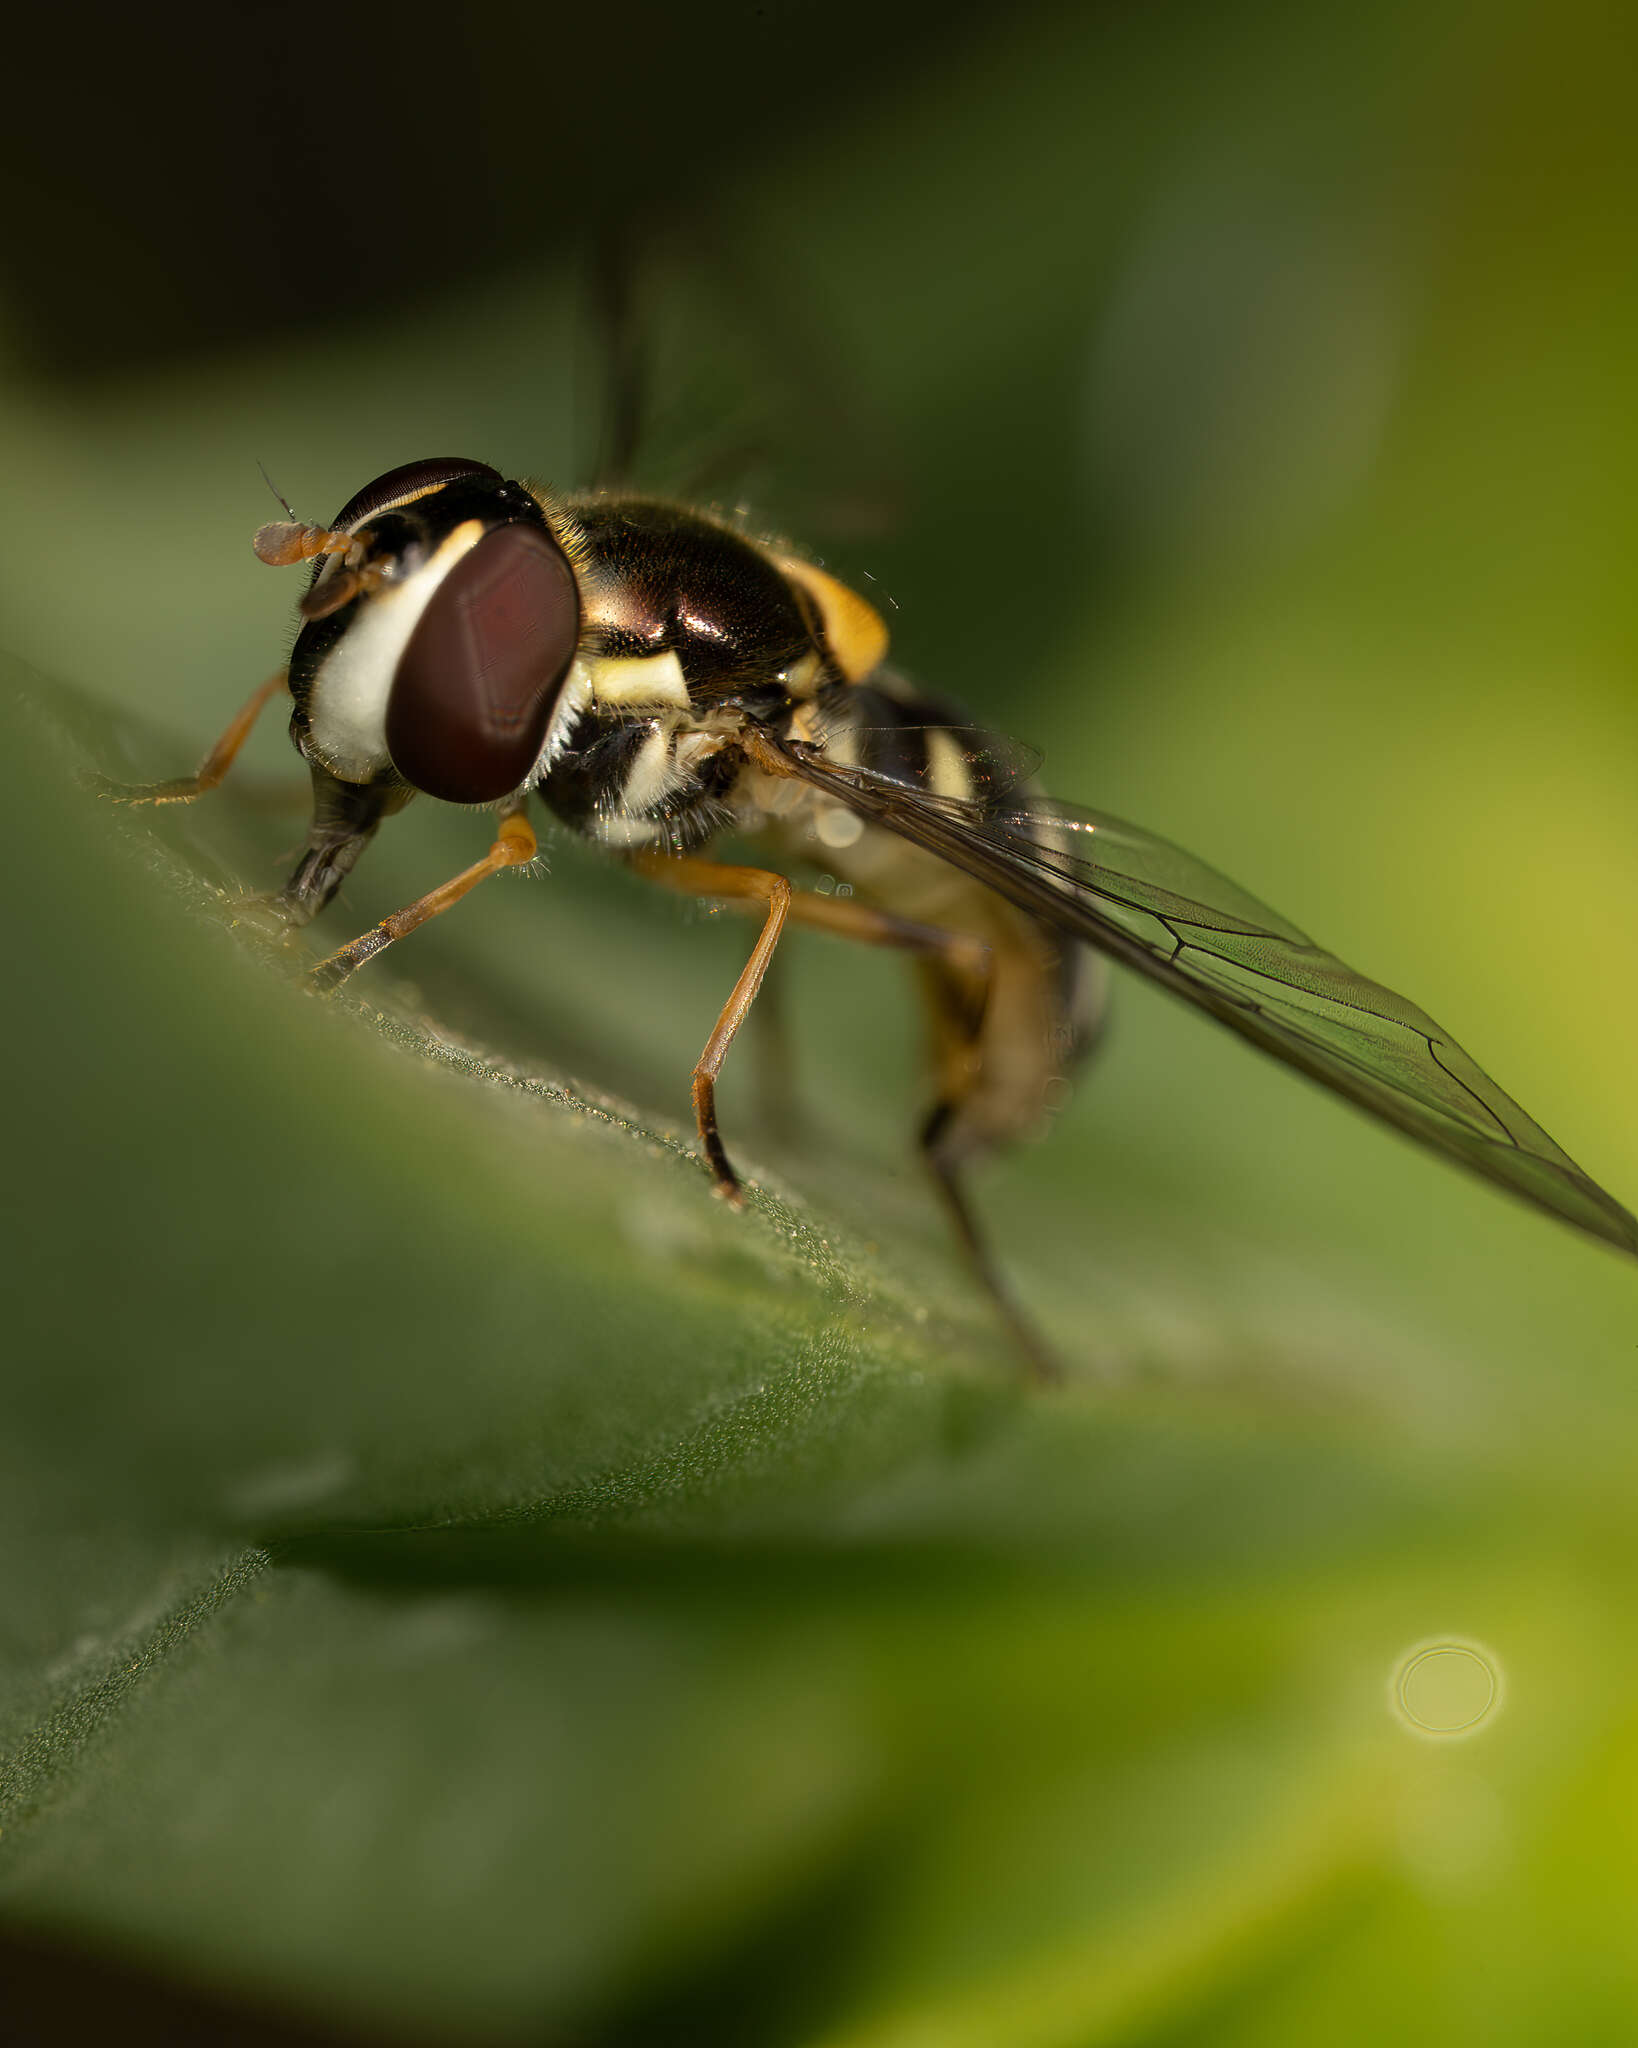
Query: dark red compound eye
x,y
477,684
411,479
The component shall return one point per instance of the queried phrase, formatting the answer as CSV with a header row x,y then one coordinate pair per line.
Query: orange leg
x,y
842,916
843,919
959,976
514,844
739,886
747,888
215,765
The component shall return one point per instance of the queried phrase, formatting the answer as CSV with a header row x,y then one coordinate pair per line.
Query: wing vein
x,y
1169,917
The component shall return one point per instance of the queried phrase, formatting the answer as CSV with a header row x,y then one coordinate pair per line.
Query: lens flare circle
x,y
1446,1688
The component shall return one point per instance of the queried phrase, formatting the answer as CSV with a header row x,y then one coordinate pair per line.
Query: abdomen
x,y
1002,1040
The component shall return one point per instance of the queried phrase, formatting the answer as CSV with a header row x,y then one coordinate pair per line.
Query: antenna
x,y
273,487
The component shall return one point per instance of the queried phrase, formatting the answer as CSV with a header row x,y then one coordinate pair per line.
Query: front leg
x,y
184,788
514,846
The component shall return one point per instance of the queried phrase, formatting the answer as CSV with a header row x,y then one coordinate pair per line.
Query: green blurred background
x,y
462,1585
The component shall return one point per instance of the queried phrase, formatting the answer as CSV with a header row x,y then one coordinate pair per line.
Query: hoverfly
x,y
659,677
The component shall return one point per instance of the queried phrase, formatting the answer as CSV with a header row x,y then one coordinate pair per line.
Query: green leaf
x,y
481,1582
461,1581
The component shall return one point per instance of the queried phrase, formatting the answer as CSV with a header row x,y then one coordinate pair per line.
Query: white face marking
x,y
347,711
635,684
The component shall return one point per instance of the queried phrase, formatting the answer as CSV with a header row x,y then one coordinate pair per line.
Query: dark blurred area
x,y
57,1996
185,180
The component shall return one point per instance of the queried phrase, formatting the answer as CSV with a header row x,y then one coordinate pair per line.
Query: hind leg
x,y
1040,1360
956,1129
1002,1038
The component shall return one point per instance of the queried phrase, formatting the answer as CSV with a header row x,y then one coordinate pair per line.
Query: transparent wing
x,y
1169,916
721,384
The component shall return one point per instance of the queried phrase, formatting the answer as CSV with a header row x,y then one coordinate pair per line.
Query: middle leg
x,y
1004,1019
751,888
742,886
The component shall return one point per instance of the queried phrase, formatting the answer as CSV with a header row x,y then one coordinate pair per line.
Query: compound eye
x,y
476,687
412,480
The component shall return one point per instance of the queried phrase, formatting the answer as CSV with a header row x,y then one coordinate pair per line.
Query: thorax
x,y
691,630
